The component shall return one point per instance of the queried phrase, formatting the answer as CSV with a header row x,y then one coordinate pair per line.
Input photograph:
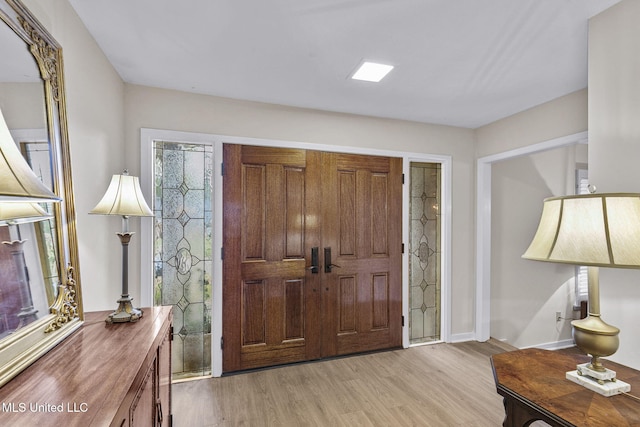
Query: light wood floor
x,y
439,385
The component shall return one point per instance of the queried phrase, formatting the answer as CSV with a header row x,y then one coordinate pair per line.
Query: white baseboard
x,y
557,345
468,336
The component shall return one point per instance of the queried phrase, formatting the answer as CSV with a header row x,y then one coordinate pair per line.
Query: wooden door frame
x,y
146,181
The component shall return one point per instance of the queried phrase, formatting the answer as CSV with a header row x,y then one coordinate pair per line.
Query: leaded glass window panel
x,y
424,253
182,250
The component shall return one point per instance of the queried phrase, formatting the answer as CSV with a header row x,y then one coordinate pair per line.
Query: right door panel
x,y
362,208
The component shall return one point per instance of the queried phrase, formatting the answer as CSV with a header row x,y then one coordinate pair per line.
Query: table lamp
x,y
13,214
594,230
124,197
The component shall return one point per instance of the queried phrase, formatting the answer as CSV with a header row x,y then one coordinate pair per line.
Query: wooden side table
x,y
534,387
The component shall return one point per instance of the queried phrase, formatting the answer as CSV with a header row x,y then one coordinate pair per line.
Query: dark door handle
x,y
315,264
328,265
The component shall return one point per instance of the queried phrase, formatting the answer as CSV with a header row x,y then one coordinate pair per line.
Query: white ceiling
x,y
457,62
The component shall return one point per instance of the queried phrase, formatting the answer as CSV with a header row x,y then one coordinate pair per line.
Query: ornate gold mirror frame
x,y
24,346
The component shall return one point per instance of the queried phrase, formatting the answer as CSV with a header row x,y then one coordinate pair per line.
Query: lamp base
x,y
604,383
125,312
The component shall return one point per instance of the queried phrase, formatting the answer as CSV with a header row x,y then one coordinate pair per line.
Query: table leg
x,y
517,415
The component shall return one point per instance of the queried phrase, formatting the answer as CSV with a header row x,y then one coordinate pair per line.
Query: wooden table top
x,y
537,377
84,379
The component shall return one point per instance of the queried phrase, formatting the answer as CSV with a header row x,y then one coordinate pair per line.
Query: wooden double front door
x,y
312,255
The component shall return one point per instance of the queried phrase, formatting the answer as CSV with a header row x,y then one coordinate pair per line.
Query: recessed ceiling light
x,y
372,72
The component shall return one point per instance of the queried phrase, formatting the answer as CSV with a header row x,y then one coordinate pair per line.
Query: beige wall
x,y
563,116
22,105
95,96
147,107
614,149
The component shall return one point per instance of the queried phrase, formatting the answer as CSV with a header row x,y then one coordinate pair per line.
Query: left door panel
x,y
271,224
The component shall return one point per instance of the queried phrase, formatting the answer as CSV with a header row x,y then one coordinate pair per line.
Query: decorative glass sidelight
x,y
182,250
424,253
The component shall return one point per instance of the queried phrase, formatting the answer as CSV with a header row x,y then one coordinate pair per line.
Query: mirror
x,y
26,252
40,298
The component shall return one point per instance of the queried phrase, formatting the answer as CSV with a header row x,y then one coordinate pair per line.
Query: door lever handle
x,y
315,267
328,265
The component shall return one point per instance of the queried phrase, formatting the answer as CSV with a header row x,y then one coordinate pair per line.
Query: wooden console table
x,y
534,387
102,375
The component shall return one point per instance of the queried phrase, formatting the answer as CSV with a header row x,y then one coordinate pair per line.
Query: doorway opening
x,y
484,224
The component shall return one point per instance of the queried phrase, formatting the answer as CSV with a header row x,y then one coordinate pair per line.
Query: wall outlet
x,y
558,316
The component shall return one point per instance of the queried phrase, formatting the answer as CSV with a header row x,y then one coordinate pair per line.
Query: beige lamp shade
x,y
18,183
123,197
601,230
21,213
